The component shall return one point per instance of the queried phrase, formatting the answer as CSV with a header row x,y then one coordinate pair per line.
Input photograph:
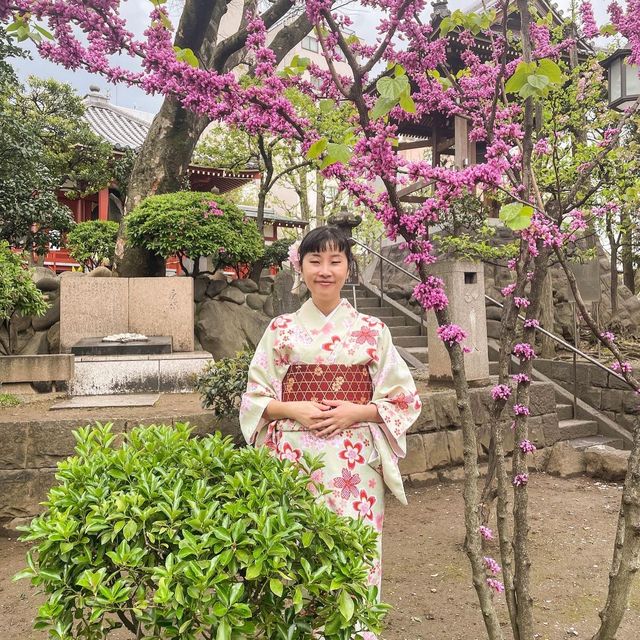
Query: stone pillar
x,y
464,286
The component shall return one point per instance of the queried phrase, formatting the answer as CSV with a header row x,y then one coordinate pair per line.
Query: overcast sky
x,y
136,13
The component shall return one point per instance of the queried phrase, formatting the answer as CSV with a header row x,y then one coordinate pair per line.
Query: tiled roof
x,y
122,128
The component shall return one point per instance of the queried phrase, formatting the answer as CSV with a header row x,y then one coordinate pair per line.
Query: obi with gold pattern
x,y
318,382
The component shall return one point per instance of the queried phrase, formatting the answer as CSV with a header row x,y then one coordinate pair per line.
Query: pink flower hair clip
x,y
294,257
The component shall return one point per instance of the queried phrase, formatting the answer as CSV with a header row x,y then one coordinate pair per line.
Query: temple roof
x,y
122,128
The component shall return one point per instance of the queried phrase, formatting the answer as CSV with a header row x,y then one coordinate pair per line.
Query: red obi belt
x,y
318,382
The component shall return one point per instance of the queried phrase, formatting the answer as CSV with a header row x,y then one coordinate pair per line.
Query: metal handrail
x,y
554,337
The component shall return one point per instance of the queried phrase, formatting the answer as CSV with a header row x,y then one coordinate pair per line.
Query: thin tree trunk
x,y
319,199
548,348
626,563
614,275
626,253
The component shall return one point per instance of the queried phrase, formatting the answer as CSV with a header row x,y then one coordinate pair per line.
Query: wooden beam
x,y
103,204
415,144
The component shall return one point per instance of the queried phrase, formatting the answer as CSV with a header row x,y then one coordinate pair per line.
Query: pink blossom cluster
x,y
430,294
621,367
531,323
508,290
589,26
526,446
451,334
496,585
521,303
486,532
521,378
501,392
607,335
520,479
521,410
213,209
491,565
541,147
524,351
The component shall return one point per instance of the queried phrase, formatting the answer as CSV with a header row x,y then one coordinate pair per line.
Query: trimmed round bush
x,y
194,224
92,242
177,537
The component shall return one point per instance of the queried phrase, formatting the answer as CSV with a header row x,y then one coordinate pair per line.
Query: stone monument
x,y
464,286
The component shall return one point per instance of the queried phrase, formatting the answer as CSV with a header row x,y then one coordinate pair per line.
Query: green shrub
x,y
9,400
222,383
18,291
179,537
92,242
277,252
186,224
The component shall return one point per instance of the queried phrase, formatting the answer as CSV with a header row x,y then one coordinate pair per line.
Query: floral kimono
x,y
344,352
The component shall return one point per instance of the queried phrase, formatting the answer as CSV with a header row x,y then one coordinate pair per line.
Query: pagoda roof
x,y
126,129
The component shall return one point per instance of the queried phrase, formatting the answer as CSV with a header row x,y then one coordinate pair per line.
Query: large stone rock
x,y
20,323
606,462
232,294
38,345
245,285
200,285
256,301
45,279
42,323
224,328
436,449
565,461
53,338
494,313
100,272
266,285
216,287
283,300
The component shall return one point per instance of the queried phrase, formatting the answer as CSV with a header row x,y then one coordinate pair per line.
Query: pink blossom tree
x,y
547,177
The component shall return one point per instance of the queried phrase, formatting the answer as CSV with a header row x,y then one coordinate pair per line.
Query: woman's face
x,y
325,273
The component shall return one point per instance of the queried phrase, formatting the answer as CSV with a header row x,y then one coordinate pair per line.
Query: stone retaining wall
x,y
32,450
597,388
434,443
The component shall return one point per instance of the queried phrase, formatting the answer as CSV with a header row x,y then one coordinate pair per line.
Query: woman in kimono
x,y
328,380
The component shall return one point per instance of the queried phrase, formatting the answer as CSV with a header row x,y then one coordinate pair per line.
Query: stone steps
x,y
577,428
421,353
410,341
409,330
565,411
584,443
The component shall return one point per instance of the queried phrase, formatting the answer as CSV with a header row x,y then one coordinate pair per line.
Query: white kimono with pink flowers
x,y
359,461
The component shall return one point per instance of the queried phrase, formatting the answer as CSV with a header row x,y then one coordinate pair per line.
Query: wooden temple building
x,y
126,129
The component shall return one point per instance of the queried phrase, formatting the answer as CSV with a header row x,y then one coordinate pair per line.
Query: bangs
x,y
325,239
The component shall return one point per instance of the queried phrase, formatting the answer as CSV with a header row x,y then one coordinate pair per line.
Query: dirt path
x,y
426,574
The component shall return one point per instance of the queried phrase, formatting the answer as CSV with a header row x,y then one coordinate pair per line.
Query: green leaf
x,y
254,571
382,108
516,216
392,88
43,31
519,77
345,602
551,70
130,530
336,153
538,82
276,586
25,573
224,631
307,538
407,103
316,149
186,55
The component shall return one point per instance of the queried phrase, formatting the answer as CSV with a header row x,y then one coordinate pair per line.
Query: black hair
x,y
325,238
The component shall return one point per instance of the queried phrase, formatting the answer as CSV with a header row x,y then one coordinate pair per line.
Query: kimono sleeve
x,y
394,393
263,385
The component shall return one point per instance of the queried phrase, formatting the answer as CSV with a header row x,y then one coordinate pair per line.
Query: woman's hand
x,y
306,413
343,415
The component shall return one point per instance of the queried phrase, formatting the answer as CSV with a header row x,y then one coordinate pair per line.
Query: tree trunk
x,y
160,167
163,160
319,199
614,276
626,253
548,348
626,563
